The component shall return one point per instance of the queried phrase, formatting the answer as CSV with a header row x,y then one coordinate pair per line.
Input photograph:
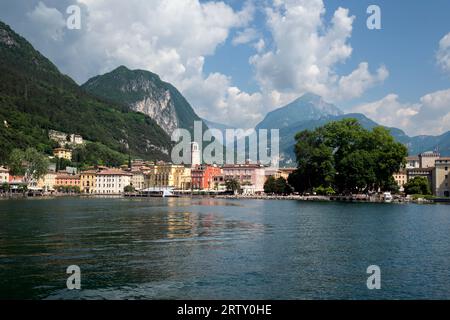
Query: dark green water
x,y
222,249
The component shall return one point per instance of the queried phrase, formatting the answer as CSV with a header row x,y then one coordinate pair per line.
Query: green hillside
x,y
35,97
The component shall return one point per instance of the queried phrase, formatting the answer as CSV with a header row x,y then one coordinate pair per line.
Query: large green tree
x,y
418,185
345,156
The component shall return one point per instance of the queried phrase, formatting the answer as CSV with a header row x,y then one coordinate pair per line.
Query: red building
x,y
203,177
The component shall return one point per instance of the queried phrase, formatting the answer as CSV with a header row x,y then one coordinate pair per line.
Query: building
x,y
203,177
4,175
195,154
138,180
412,162
250,176
88,181
112,182
167,175
401,178
48,182
63,138
441,178
428,159
67,180
63,153
76,139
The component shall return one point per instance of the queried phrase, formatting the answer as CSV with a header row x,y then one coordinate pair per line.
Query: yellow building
x,y
401,178
138,180
168,176
62,153
47,182
88,181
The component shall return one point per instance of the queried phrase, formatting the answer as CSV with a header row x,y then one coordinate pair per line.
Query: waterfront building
x,y
167,175
428,159
88,181
67,180
412,162
112,182
203,177
401,178
441,178
248,175
138,180
63,153
286,172
4,175
47,182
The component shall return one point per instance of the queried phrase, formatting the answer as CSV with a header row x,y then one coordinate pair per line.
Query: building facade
x,y
401,178
441,178
63,153
251,176
112,182
169,176
428,159
138,180
67,180
48,182
203,177
88,181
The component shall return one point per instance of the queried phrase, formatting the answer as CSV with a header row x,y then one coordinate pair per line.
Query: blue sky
x,y
398,76
407,45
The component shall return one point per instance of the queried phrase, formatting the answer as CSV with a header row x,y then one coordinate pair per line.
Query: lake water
x,y
222,249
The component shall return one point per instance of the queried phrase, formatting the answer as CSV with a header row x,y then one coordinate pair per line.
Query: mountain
x,y
306,108
310,112
35,97
145,92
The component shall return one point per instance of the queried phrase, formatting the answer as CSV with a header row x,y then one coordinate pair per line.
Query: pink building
x,y
251,176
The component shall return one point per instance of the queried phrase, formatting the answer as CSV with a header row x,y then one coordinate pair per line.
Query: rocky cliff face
x,y
157,103
145,92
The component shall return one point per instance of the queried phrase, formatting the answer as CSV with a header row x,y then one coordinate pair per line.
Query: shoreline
x,y
347,199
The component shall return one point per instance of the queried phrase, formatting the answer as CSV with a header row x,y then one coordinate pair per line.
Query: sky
x,y
235,60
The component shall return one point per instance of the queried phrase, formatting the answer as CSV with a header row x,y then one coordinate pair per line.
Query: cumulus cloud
x,y
174,38
50,21
430,115
443,54
306,51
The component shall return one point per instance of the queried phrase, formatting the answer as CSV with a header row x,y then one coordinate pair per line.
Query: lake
x,y
222,249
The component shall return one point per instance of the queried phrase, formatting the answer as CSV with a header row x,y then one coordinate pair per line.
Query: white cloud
x,y
50,21
443,55
431,115
306,51
245,36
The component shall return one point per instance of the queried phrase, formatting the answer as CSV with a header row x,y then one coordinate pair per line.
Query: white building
x,y
112,182
195,154
138,180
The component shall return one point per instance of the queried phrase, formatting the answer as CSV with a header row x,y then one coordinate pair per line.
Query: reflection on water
x,y
221,249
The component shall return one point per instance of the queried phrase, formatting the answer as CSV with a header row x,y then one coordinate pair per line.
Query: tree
x,y
418,185
129,189
233,185
347,158
5,187
30,163
277,186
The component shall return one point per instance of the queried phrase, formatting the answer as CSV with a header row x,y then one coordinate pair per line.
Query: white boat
x,y
388,197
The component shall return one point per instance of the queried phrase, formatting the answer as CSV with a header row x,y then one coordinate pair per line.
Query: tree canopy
x,y
345,156
277,186
418,185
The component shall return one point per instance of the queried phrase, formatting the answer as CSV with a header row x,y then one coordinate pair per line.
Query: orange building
x,y
67,180
202,177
